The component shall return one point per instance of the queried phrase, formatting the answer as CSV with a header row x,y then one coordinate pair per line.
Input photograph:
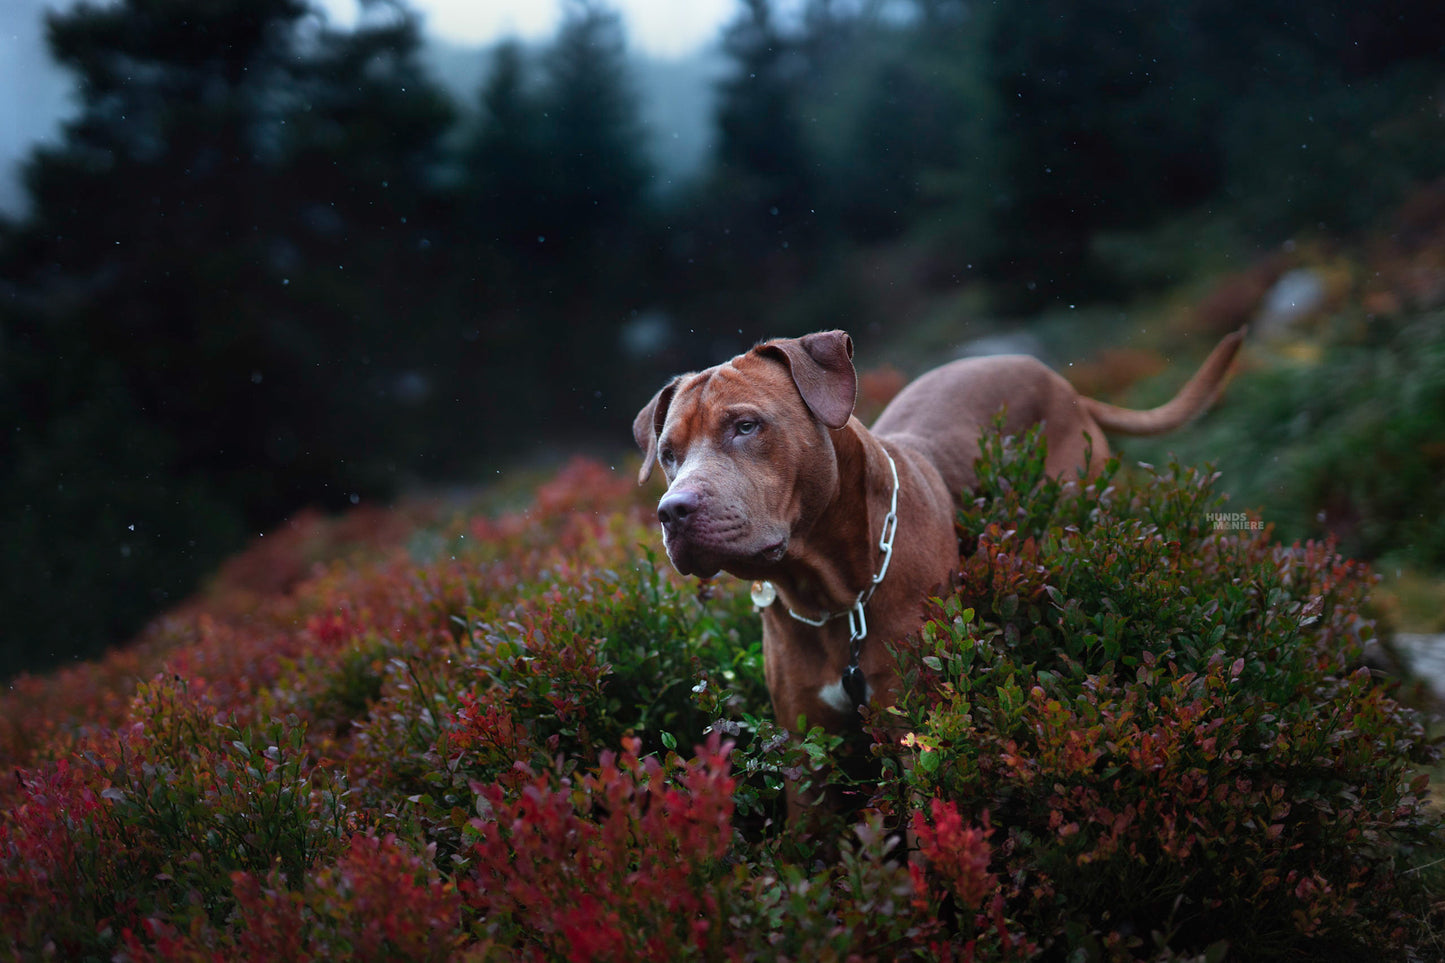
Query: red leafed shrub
x,y
1128,735
619,866
151,824
379,901
584,485
1115,370
52,854
960,855
876,387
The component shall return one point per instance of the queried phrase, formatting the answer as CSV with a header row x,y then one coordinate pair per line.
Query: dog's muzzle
x,y
676,511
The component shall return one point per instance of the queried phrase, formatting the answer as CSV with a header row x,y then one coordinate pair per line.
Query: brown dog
x,y
771,478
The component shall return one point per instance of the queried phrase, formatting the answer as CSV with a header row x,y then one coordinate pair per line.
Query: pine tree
x,y
599,169
505,162
763,160
126,279
216,254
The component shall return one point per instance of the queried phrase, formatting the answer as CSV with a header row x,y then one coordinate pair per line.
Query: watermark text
x,y
1234,522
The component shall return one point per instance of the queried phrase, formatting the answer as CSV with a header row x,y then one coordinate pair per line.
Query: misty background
x,y
674,95
252,260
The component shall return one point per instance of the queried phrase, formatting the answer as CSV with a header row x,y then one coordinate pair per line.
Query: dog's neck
x,y
828,566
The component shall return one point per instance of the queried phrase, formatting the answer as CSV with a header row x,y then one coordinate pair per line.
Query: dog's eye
x,y
667,457
745,427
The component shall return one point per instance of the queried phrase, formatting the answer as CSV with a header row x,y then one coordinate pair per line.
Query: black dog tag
x,y
855,685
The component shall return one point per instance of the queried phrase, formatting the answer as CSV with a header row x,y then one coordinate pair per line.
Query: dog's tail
x,y
1196,395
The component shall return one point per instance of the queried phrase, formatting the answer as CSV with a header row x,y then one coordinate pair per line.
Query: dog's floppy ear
x,y
822,368
648,425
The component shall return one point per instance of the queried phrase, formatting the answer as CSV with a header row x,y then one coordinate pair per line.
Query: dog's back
x,y
943,412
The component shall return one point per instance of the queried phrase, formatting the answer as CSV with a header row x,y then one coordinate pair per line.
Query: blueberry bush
x,y
1127,734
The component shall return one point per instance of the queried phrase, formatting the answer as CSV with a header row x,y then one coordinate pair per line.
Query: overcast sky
x,y
663,28
34,93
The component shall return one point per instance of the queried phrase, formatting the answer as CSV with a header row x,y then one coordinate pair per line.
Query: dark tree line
x,y
272,264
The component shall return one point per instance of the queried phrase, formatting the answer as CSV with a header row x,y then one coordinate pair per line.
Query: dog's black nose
x,y
676,508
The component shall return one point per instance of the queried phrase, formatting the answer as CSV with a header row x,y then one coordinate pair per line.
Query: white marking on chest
x,y
835,698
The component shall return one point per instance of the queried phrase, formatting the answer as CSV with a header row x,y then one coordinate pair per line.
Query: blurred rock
x,y
646,334
1296,296
1424,655
1005,342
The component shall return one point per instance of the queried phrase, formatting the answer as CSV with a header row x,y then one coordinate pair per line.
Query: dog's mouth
x,y
774,552
705,560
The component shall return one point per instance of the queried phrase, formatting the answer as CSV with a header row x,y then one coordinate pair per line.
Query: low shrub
x,y
153,823
379,901
621,865
1128,734
1168,726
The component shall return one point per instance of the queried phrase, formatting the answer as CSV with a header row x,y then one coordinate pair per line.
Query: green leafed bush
x,y
1167,726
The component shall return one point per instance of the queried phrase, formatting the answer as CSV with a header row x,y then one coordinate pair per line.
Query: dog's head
x,y
747,451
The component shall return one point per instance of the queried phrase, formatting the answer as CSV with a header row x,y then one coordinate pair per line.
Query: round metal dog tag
x,y
764,594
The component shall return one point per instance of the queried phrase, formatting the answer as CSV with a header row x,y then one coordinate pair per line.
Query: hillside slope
x,y
1132,733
